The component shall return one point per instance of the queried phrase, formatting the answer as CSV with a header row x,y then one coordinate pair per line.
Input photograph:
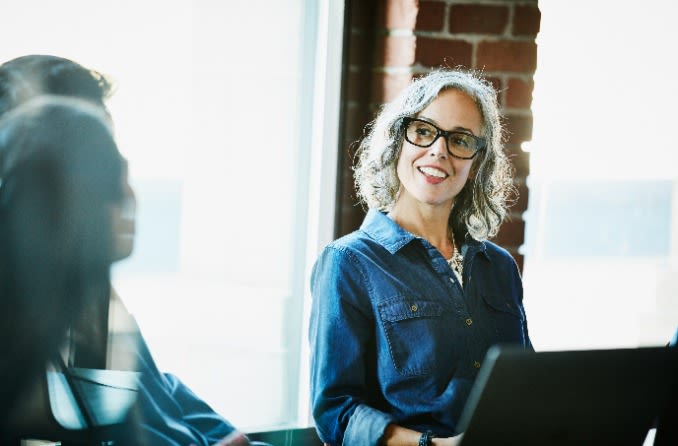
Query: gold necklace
x,y
456,262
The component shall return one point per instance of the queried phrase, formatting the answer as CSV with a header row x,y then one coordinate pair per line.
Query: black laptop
x,y
588,397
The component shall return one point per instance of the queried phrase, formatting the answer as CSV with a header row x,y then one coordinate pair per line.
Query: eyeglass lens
x,y
423,134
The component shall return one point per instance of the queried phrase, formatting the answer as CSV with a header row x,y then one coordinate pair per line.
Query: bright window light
x,y
601,257
214,110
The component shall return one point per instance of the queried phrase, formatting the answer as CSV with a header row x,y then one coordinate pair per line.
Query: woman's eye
x,y
460,140
423,131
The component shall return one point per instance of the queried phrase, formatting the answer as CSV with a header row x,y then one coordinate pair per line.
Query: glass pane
x,y
214,281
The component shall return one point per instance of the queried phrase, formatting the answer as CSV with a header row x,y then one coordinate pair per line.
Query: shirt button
x,y
414,307
476,364
469,321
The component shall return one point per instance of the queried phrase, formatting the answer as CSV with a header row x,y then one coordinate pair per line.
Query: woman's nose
x,y
439,148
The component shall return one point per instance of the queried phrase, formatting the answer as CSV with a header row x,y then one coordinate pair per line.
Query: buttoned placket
x,y
458,295
470,254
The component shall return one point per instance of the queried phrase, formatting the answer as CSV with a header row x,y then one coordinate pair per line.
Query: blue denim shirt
x,y
394,336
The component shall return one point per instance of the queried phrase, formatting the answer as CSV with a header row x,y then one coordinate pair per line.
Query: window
x,y
224,111
600,253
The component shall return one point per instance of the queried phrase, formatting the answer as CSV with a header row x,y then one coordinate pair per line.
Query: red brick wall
x,y
389,41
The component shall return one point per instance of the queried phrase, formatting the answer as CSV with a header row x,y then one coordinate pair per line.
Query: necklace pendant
x,y
456,262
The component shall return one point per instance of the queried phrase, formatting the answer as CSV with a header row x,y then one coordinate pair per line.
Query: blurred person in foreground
x,y
168,411
60,176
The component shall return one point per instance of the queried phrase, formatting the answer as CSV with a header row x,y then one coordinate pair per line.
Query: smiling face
x,y
431,177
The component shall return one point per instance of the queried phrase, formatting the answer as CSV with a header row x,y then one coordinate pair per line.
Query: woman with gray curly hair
x,y
405,308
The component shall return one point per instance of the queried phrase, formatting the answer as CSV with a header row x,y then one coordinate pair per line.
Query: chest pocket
x,y
506,319
413,329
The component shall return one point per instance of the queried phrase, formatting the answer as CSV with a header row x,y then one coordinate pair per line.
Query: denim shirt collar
x,y
393,237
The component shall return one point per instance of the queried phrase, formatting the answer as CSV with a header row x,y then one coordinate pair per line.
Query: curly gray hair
x,y
480,207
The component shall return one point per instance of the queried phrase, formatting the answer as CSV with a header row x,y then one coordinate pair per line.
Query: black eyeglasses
x,y
459,144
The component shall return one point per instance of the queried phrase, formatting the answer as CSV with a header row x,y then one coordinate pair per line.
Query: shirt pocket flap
x,y
499,303
393,311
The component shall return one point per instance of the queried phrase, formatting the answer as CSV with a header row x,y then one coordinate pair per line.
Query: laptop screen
x,y
587,397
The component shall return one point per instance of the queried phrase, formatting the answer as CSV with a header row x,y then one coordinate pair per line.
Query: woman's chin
x,y
123,247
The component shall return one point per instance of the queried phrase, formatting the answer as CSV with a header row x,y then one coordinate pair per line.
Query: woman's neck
x,y
429,222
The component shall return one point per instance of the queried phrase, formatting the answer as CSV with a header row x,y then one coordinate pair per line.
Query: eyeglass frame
x,y
480,142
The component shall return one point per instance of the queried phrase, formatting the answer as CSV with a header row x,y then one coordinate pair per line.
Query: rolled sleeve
x,y
340,330
366,426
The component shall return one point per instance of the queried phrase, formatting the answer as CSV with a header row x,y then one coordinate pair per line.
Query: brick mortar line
x,y
513,111
396,32
394,69
473,38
